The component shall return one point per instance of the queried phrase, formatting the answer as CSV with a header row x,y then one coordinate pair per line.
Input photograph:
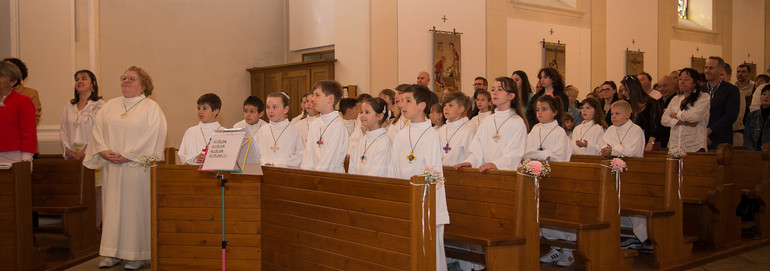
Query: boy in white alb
x,y
457,134
327,138
196,138
500,140
417,147
280,143
548,140
349,112
626,139
253,110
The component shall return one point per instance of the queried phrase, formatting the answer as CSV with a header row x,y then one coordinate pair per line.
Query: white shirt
x,y
506,153
252,128
196,139
425,147
590,132
76,126
691,139
304,124
371,155
755,103
456,138
330,155
350,125
297,118
280,144
396,127
626,140
548,142
478,119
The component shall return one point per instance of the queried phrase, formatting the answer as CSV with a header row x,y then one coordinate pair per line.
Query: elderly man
x,y
667,89
725,103
423,78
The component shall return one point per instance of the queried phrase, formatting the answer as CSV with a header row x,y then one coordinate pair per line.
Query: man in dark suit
x,y
667,88
725,103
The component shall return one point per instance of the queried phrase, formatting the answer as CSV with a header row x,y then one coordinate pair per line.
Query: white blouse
x,y
500,140
371,154
590,132
691,139
548,142
476,120
76,126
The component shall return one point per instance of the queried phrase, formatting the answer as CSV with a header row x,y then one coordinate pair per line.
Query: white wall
x,y
311,24
415,42
682,52
351,48
748,34
191,48
628,21
525,51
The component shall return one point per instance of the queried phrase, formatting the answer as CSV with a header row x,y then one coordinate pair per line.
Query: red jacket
x,y
17,124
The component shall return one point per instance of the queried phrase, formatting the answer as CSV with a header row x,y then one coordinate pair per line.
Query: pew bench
x,y
650,188
494,210
582,197
709,197
750,171
16,241
65,188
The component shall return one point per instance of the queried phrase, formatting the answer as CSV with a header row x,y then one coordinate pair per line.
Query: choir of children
x,y
382,144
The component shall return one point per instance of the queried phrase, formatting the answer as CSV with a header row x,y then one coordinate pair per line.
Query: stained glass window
x,y
682,9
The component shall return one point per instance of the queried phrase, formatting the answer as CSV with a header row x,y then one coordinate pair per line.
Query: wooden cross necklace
x,y
496,137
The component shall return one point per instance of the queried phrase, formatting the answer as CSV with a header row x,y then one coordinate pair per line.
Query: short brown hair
x,y
145,78
329,87
461,99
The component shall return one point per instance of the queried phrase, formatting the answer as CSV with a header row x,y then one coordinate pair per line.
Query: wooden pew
x,y
582,197
169,155
650,188
497,211
324,221
710,197
16,245
66,188
187,219
750,171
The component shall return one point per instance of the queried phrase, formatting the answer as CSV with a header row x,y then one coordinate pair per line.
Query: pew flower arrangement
x,y
677,153
537,168
432,176
618,165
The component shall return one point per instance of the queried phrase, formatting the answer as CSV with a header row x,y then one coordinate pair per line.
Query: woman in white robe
x,y
126,131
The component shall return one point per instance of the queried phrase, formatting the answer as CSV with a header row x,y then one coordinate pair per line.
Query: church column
x,y
666,18
497,31
384,46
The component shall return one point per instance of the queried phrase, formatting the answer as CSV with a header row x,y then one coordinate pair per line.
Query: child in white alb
x,y
327,138
280,143
417,147
483,100
457,134
372,153
310,115
587,137
548,141
196,138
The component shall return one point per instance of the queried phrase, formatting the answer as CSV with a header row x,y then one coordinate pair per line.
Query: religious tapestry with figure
x,y
554,56
446,60
634,62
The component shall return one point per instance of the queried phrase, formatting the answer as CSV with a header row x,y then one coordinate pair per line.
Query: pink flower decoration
x,y
535,167
618,163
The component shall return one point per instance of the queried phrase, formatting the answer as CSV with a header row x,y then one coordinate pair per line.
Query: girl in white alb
x,y
280,143
548,140
483,100
688,115
587,137
371,153
500,140
303,124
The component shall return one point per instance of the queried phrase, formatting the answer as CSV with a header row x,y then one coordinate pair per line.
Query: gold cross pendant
x,y
274,148
496,137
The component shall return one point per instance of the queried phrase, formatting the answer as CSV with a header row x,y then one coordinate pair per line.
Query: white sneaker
x,y
566,258
551,256
109,262
134,265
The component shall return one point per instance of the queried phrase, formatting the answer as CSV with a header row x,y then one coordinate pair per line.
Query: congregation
x,y
397,133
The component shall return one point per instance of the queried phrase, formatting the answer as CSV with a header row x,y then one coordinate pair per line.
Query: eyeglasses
x,y
130,79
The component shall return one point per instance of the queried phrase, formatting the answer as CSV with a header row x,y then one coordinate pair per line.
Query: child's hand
x,y
486,166
581,143
200,157
606,151
463,164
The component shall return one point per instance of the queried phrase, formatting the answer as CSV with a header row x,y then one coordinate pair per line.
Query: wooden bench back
x,y
750,168
703,172
16,220
643,184
578,192
317,220
187,219
57,182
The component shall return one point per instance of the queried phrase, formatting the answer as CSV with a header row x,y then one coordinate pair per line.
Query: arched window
x,y
682,9
696,14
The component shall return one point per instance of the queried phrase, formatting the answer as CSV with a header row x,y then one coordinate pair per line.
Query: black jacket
x,y
724,111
